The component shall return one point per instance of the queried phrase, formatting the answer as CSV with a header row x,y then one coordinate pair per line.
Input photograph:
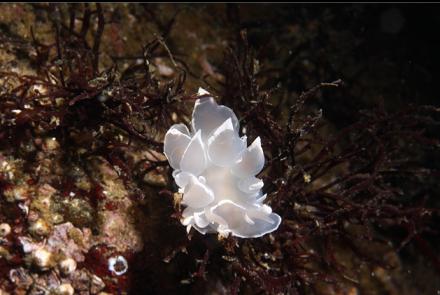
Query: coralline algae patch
x,y
65,234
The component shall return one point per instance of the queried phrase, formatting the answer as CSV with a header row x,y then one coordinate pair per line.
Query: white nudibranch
x,y
215,170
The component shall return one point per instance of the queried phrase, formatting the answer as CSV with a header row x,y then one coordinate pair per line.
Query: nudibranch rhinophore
x,y
216,172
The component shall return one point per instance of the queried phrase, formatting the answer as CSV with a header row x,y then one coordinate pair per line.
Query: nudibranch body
x,y
216,172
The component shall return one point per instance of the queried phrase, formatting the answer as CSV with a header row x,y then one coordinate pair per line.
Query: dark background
x,y
383,52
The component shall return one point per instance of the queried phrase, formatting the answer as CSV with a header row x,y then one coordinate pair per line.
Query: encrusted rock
x,y
82,281
96,285
155,178
118,229
17,193
46,190
28,245
4,253
57,218
79,212
69,240
20,278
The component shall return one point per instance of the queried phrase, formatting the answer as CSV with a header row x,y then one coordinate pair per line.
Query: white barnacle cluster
x,y
216,171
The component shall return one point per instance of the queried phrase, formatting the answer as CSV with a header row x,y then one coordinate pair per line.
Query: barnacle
x,y
65,289
5,229
117,265
67,266
215,171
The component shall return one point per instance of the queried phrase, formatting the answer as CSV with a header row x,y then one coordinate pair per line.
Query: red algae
x,y
96,260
